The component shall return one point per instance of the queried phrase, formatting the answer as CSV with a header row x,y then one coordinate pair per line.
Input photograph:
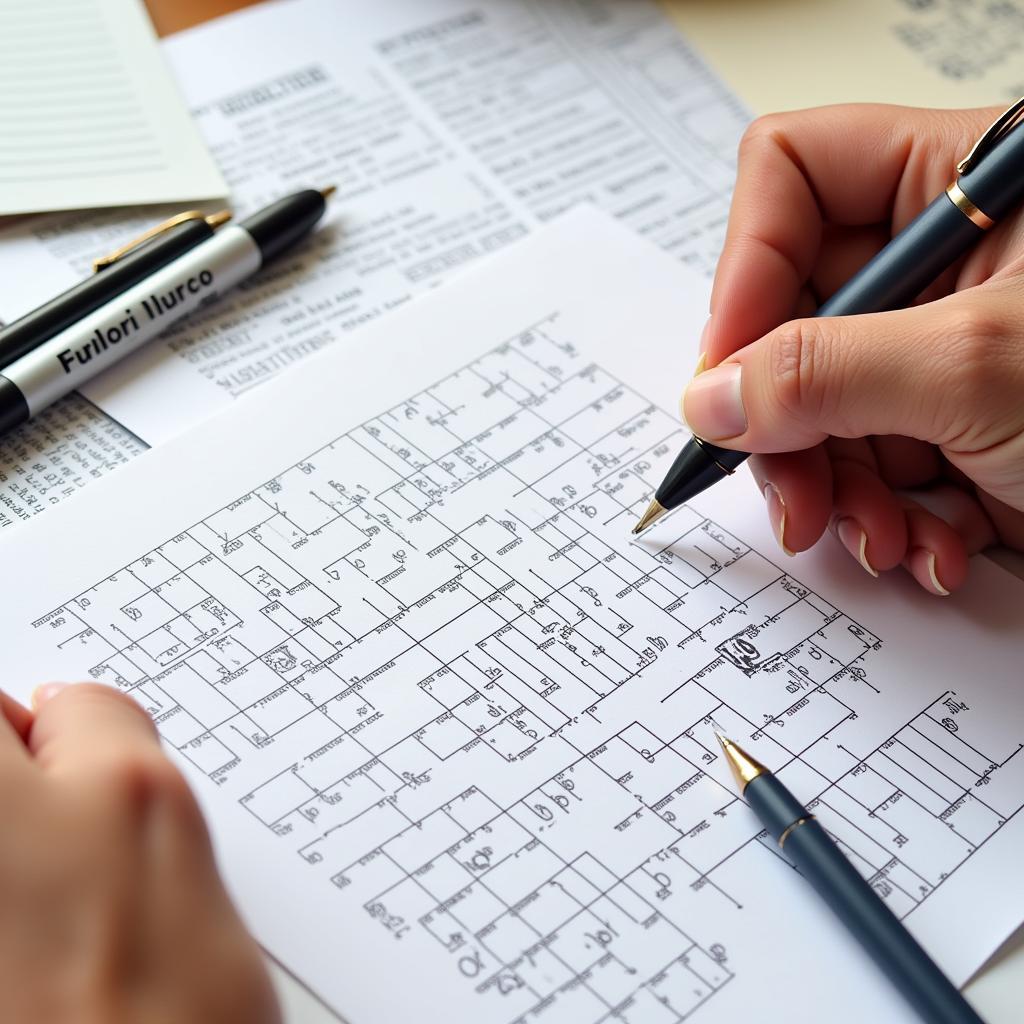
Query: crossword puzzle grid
x,y
439,610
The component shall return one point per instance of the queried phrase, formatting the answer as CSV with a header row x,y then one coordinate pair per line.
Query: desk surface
x,y
998,991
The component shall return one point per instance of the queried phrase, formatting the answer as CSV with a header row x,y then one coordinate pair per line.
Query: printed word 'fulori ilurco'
x,y
155,307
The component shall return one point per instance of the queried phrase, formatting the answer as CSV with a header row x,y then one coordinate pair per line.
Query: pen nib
x,y
744,767
652,515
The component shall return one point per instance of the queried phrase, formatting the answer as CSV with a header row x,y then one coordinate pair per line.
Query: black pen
x,y
113,275
935,998
68,358
989,183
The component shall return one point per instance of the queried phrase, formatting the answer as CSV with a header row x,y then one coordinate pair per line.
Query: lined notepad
x,y
89,115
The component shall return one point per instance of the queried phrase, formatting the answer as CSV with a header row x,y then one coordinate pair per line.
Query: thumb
x,y
880,373
88,726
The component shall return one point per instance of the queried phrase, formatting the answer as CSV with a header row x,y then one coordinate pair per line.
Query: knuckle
x,y
764,129
974,335
135,783
799,358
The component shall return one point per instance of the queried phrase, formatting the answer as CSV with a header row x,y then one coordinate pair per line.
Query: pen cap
x,y
995,184
279,226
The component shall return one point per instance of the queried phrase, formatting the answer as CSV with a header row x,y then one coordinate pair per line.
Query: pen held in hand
x,y
989,183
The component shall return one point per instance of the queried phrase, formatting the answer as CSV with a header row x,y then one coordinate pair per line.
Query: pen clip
x,y
213,219
995,131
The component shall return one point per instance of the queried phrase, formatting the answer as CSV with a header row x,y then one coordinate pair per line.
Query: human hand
x,y
903,432
111,909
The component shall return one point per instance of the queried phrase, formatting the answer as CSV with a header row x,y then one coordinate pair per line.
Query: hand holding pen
x,y
850,413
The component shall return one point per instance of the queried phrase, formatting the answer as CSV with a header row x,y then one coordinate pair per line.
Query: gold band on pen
x,y
724,469
785,835
962,202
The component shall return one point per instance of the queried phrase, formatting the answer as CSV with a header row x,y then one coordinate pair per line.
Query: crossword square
x,y
335,758
202,700
426,840
177,727
279,709
680,988
152,569
541,970
187,631
183,551
277,797
445,735
244,687
205,666
289,660
508,937
519,876
181,593
161,645
442,877
119,670
497,839
207,753
576,1000
473,809
548,908
475,907
143,615
282,617
645,1006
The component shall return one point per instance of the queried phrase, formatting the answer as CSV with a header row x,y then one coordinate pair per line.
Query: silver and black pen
x,y
935,998
58,347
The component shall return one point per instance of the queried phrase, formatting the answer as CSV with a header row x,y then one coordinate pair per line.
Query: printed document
x,y
451,128
89,115
450,721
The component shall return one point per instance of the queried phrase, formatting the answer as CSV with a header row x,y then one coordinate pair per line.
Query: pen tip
x,y
328,191
654,512
719,732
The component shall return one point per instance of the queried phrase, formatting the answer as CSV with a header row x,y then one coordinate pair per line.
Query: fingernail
x,y
922,565
777,515
713,403
855,540
41,694
704,335
698,370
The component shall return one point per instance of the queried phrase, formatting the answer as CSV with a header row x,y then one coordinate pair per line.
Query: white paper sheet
x,y
71,444
89,115
449,720
451,127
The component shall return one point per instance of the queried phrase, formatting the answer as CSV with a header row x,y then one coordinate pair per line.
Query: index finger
x,y
849,165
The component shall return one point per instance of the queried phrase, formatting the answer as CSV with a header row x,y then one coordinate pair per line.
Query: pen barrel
x,y
874,925
931,243
279,226
48,320
123,325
